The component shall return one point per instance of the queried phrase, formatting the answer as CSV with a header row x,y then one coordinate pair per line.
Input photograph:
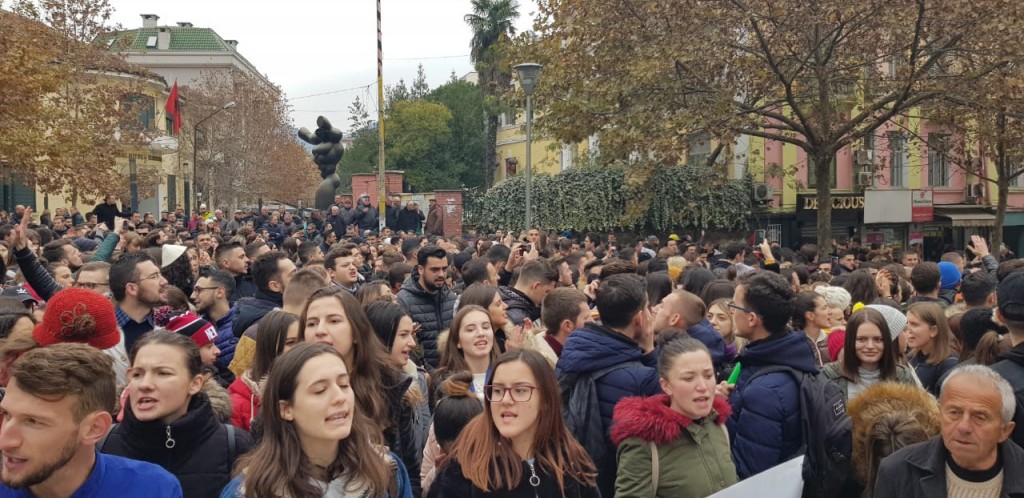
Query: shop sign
x,y
921,208
838,202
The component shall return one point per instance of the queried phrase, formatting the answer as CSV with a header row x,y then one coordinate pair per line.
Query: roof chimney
x,y
149,20
185,25
232,43
163,39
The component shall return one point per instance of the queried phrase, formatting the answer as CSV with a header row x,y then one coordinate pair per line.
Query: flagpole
x,y
381,187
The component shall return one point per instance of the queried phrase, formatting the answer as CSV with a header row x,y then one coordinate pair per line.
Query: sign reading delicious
x,y
810,202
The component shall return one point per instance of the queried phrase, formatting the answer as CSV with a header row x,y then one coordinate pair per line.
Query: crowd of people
x,y
282,354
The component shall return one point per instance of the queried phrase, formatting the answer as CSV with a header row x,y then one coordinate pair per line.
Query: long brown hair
x,y
371,365
943,344
453,359
487,458
851,363
277,466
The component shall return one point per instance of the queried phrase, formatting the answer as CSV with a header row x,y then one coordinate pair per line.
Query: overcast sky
x,y
316,46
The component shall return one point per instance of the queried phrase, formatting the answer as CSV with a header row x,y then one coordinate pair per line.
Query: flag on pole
x,y
173,111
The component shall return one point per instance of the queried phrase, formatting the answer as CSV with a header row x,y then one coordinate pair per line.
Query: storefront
x,y
847,216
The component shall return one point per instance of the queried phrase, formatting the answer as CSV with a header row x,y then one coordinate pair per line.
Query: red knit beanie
x,y
200,331
78,315
836,339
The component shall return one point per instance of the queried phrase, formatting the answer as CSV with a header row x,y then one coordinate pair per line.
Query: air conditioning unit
x,y
762,193
975,190
864,157
865,179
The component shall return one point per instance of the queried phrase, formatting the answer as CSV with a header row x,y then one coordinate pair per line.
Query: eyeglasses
x,y
520,393
155,276
745,310
91,285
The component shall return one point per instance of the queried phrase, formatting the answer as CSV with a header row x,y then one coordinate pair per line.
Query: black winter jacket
x,y
366,220
450,482
1011,367
105,213
919,470
520,307
250,310
432,311
410,221
400,436
199,456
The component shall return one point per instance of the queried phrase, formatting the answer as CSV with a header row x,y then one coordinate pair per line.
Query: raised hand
x,y
17,237
980,246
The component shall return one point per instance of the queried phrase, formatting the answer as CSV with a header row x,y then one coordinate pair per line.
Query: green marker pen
x,y
735,375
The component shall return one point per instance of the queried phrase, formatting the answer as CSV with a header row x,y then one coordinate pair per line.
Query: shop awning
x,y
1014,219
971,217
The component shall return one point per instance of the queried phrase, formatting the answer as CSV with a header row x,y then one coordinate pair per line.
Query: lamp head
x,y
529,74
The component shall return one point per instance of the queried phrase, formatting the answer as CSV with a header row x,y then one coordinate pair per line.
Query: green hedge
x,y
603,198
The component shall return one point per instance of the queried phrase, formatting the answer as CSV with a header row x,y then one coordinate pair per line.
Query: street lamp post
x,y
195,148
528,74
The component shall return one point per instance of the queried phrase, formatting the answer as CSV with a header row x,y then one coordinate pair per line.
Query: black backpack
x,y
581,410
827,433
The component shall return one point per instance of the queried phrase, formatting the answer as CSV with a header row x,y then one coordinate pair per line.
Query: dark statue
x,y
326,154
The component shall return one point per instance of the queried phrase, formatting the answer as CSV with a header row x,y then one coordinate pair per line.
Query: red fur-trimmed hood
x,y
651,419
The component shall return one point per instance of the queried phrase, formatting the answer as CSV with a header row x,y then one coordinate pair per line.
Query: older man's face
x,y
972,424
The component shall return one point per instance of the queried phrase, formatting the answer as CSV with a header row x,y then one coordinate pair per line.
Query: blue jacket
x,y
226,340
118,476
595,347
765,422
706,333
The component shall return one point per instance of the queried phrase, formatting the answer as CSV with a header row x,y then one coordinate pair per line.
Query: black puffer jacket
x,y
200,456
250,310
1011,367
432,311
400,436
520,307
451,482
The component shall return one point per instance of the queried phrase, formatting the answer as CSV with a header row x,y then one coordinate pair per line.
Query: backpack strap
x,y
231,441
655,466
596,375
99,445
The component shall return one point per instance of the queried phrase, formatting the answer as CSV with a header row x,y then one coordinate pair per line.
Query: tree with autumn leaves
x,y
649,75
64,116
249,152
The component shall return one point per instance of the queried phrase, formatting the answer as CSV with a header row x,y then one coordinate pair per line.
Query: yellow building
x,y
158,163
548,156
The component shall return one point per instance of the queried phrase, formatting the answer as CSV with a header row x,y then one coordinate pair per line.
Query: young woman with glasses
x,y
516,448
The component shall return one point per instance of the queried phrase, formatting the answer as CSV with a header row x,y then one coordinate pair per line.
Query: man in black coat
x,y
106,212
972,456
410,219
429,300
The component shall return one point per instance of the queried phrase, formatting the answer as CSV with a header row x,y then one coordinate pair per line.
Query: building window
x,y
141,106
1014,167
812,176
698,150
506,119
938,160
897,158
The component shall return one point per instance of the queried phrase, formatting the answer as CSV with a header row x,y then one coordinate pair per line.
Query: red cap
x,y
78,315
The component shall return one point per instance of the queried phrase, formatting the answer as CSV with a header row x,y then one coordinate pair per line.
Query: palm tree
x,y
492,24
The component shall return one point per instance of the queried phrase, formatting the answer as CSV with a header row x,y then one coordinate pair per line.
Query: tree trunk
x,y
1003,193
822,167
491,152
1002,182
